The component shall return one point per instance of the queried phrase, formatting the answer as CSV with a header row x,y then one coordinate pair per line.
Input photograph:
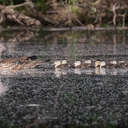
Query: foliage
x,y
79,12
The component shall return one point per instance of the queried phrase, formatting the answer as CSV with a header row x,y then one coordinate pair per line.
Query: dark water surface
x,y
48,98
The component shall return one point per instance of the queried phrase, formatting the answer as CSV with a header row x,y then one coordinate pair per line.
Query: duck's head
x,y
102,63
87,62
77,64
57,63
113,62
64,62
97,63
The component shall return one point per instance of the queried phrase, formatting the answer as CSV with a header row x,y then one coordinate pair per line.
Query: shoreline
x,y
61,29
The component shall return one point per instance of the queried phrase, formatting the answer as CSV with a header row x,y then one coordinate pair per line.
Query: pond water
x,y
68,98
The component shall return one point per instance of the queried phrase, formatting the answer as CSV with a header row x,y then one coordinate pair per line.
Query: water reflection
x,y
71,45
96,71
77,71
100,71
3,88
59,72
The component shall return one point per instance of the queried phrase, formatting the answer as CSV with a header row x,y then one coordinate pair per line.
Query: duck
x,y
27,65
15,64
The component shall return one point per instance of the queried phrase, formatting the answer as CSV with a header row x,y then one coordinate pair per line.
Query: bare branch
x,y
20,5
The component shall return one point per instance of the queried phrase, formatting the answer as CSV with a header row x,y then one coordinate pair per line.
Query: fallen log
x,y
7,13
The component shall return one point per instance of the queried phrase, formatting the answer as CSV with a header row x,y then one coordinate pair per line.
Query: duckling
x,y
61,64
102,64
112,64
77,64
122,64
87,63
57,64
59,72
97,64
64,62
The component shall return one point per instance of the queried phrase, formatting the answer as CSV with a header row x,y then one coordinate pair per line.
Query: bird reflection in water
x,y
3,89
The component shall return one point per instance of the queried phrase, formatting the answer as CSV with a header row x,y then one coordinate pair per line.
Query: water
x,y
47,97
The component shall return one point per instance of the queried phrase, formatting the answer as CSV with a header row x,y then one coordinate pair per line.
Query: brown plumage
x,y
20,63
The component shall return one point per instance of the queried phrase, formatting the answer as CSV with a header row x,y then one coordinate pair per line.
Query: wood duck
x,y
15,64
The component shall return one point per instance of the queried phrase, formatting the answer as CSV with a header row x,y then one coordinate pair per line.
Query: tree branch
x,y
20,5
